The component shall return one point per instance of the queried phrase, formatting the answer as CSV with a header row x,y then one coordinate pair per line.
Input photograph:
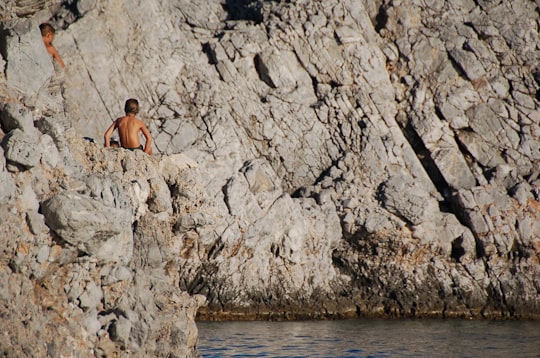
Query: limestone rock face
x,y
312,159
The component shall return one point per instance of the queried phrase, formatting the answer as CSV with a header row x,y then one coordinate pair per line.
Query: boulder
x,y
93,228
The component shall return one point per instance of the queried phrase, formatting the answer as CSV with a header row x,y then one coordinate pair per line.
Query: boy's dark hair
x,y
46,29
132,106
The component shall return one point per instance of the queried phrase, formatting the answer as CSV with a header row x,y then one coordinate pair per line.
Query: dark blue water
x,y
370,338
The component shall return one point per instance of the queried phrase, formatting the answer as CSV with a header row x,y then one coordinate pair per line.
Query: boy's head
x,y
47,33
132,106
46,29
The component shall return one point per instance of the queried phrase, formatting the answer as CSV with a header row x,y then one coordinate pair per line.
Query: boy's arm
x,y
108,133
56,56
148,137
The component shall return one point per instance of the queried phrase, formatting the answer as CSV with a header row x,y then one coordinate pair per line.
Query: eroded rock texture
x,y
313,159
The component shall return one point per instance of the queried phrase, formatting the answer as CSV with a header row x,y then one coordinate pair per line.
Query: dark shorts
x,y
139,147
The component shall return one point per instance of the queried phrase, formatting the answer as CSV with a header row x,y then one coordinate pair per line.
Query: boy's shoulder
x,y
128,119
136,120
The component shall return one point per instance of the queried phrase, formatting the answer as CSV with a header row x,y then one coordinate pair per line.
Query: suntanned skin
x,y
128,130
47,40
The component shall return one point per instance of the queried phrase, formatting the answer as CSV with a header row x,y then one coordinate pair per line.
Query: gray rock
x,y
190,221
36,222
160,197
91,323
7,189
179,136
22,148
117,274
14,115
488,125
402,196
120,330
43,254
29,66
84,6
468,63
98,230
50,155
107,191
91,296
482,151
522,193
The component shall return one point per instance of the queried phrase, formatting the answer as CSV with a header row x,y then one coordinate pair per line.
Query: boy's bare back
x,y
128,130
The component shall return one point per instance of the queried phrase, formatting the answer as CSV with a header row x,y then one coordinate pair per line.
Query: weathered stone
x,y
522,193
489,126
120,330
453,167
83,6
36,222
90,226
7,189
108,191
91,322
160,197
444,231
402,196
22,148
29,65
190,221
50,155
482,151
116,274
14,115
468,63
91,296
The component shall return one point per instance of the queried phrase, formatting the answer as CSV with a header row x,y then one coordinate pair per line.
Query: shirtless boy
x,y
47,34
128,129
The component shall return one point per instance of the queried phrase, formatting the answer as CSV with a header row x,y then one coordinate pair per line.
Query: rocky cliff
x,y
312,159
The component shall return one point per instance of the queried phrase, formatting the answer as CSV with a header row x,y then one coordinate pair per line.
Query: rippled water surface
x,y
370,338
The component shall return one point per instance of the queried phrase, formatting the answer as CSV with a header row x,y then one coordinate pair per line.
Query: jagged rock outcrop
x,y
313,159
85,268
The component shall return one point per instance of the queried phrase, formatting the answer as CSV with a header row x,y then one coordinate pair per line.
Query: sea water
x,y
370,338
